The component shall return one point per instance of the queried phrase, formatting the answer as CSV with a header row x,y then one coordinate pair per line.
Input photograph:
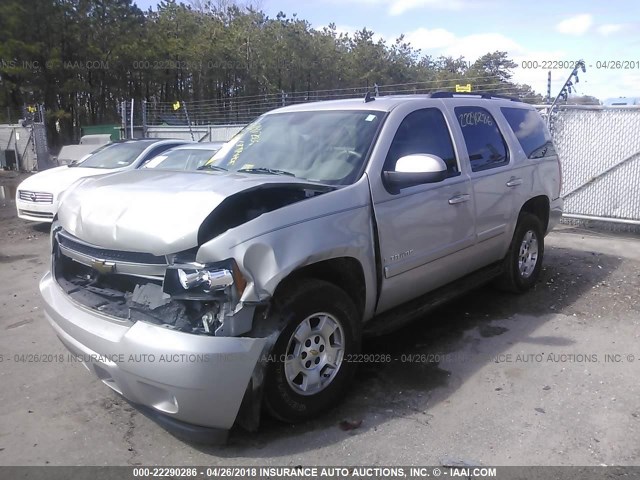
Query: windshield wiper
x,y
211,167
270,171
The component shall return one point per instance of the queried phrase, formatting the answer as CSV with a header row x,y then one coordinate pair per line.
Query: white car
x,y
37,198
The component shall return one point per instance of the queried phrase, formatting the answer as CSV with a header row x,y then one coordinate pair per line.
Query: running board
x,y
401,315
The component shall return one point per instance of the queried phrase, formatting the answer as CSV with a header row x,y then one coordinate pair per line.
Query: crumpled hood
x,y
153,211
58,179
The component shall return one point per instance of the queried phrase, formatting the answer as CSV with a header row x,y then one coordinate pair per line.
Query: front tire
x,y
310,368
523,263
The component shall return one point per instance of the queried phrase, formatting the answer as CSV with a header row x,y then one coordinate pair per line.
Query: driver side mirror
x,y
415,169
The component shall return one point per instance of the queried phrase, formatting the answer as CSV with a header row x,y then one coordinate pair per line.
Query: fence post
x,y
132,136
186,114
123,119
144,118
15,147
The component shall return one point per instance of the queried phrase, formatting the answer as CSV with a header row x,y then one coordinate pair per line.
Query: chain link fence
x,y
11,115
232,110
600,152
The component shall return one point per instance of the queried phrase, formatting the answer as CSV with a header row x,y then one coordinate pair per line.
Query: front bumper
x,y
36,212
195,379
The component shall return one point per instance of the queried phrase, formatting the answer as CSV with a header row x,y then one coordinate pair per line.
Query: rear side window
x,y
157,151
423,131
530,130
485,144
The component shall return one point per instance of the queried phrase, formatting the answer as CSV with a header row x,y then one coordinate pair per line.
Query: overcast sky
x,y
538,30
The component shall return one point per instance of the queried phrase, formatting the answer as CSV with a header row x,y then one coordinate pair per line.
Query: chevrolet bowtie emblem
x,y
103,267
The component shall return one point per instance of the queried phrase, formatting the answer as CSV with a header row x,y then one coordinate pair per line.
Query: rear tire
x,y
310,366
523,262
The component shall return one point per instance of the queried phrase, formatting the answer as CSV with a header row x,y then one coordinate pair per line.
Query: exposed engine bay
x,y
249,204
131,286
135,298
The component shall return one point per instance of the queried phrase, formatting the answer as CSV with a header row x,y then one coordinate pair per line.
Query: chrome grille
x,y
36,197
103,260
67,241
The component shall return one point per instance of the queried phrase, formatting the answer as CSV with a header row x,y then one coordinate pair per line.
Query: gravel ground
x,y
545,378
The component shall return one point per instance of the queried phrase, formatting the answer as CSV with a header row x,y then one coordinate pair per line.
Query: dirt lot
x,y
491,379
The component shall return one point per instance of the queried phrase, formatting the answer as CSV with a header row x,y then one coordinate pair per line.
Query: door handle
x,y
459,199
514,182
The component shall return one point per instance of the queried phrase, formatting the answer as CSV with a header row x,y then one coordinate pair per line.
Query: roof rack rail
x,y
487,96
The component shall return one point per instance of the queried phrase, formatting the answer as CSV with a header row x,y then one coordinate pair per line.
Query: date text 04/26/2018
x,y
569,64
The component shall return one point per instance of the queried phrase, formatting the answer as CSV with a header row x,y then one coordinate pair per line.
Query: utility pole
x,y
549,86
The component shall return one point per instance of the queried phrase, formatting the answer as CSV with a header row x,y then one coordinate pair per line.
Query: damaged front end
x,y
130,305
173,291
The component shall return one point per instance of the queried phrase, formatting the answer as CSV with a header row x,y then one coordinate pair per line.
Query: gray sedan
x,y
185,157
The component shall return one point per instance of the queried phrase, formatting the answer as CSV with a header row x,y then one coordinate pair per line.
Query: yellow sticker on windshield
x,y
236,154
256,130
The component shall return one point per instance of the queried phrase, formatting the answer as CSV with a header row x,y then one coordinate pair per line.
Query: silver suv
x,y
206,295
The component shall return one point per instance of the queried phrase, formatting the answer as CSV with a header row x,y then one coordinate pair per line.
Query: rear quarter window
x,y
530,130
485,144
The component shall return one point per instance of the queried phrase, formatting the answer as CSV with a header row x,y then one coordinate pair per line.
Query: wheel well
x,y
344,272
538,206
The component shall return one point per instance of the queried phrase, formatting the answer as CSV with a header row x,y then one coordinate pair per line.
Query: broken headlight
x,y
213,290
198,281
210,279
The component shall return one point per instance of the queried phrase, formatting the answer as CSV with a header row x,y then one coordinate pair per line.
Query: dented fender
x,y
270,247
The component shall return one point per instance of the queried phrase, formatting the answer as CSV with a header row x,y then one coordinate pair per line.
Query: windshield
x,y
182,159
116,155
322,146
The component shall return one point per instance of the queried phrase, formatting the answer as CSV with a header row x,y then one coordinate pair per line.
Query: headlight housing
x,y
216,288
196,281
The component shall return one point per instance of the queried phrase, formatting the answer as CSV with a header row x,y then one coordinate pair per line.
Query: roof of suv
x,y
388,103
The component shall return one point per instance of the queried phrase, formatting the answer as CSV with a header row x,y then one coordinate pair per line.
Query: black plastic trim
x,y
185,431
